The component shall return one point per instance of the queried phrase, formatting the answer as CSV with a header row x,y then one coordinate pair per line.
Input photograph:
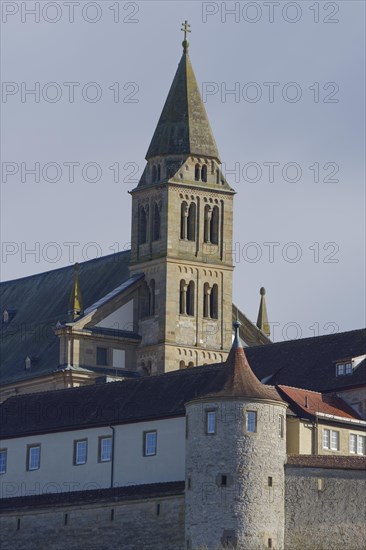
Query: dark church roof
x,y
183,127
39,302
310,363
131,400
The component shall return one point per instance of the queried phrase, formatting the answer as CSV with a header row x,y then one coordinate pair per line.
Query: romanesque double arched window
x,y
210,301
156,223
186,298
211,229
200,173
143,224
188,217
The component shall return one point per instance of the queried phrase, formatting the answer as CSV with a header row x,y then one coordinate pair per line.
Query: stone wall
x,y
113,522
325,506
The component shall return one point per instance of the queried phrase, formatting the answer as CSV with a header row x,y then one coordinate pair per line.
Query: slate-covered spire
x,y
262,321
183,127
76,299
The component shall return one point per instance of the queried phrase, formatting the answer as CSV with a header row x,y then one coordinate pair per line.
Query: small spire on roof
x,y
237,325
262,321
185,28
76,299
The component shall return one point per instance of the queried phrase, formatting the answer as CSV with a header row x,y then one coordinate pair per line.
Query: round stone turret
x,y
235,456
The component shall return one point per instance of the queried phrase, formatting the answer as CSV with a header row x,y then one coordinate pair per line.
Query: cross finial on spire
x,y
76,300
186,27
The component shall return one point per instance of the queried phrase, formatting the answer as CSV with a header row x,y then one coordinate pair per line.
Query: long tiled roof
x,y
309,403
131,400
39,302
327,461
117,494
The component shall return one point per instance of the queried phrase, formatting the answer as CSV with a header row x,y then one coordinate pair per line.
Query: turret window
x,y
154,174
210,422
251,423
204,173
186,298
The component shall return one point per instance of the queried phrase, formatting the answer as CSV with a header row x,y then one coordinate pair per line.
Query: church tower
x,y
182,218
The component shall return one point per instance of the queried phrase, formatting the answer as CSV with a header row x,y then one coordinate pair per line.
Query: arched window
x,y
182,365
154,174
217,176
191,222
183,220
204,173
207,223
152,297
159,172
144,301
143,225
190,298
197,172
214,299
186,298
156,223
182,297
190,364
206,300
214,229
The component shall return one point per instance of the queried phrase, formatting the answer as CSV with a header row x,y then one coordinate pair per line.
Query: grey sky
x,y
311,292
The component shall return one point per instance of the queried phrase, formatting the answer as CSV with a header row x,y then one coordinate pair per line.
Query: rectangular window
x,y
334,440
251,421
348,368
326,439
352,443
34,457
340,369
150,440
102,357
361,444
105,449
211,422
80,451
281,426
3,460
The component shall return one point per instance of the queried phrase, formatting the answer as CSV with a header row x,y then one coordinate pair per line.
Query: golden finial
x,y
76,300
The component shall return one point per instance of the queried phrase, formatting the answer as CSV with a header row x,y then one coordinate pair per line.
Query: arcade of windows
x,y
187,299
144,223
188,223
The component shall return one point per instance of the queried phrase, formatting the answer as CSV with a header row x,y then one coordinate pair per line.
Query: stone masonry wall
x,y
156,524
325,509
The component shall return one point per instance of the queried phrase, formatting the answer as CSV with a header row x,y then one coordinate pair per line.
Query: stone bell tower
x,y
182,216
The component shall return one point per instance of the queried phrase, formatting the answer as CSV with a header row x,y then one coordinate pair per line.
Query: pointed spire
x,y
183,127
262,321
76,299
